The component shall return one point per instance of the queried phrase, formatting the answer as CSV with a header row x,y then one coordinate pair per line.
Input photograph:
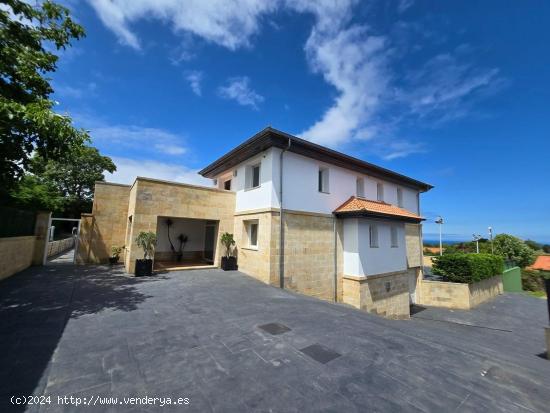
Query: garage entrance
x,y
185,243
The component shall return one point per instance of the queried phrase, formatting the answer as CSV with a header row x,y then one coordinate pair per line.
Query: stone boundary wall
x,y
16,254
59,246
386,295
458,295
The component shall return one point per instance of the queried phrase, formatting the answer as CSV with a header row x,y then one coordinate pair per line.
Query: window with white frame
x,y
251,228
360,187
400,197
322,183
252,178
394,237
373,236
380,191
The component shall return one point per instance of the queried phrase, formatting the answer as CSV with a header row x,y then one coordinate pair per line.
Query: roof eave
x,y
369,214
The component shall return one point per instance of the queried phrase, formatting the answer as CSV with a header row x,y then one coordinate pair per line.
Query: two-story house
x,y
304,217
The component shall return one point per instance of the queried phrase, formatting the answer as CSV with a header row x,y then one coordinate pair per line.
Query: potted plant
x,y
115,254
182,238
229,262
147,242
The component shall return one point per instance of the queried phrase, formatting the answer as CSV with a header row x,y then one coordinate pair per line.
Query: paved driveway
x,y
92,332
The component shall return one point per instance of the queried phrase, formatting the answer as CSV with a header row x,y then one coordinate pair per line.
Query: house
x,y
542,263
347,231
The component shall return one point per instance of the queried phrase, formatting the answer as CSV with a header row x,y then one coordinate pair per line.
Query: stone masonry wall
x,y
413,241
106,226
152,198
385,294
16,254
309,254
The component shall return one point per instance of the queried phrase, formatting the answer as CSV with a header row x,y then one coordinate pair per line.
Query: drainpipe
x,y
335,259
281,226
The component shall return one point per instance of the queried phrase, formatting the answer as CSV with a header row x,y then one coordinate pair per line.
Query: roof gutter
x,y
281,224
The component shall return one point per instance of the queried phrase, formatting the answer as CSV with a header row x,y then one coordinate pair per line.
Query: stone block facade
x,y
413,241
16,254
458,295
385,294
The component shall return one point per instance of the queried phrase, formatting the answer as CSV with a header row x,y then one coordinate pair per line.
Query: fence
x,y
16,222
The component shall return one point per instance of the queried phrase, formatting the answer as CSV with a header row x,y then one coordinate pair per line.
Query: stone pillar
x,y
41,233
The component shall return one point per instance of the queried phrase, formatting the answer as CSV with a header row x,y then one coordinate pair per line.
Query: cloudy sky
x,y
452,93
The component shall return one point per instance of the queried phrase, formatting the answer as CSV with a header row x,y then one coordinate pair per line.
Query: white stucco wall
x,y
193,228
362,260
301,185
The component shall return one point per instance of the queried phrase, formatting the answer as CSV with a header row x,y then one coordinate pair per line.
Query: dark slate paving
x,y
94,332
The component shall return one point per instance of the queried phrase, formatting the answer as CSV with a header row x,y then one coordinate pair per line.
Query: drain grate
x,y
320,353
275,328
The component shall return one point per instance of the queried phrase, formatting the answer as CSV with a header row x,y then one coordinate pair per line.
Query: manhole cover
x,y
275,328
320,353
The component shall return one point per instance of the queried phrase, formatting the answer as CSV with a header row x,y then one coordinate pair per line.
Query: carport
x,y
185,243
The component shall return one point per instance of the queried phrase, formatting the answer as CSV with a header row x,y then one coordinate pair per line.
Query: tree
x,y
74,177
28,123
34,194
546,248
513,249
535,246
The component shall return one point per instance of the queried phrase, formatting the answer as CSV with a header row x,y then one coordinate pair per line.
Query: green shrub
x,y
532,280
468,268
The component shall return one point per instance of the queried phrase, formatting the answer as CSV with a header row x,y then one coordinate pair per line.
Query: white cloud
x,y
229,23
395,149
239,90
132,136
351,57
195,79
76,92
128,169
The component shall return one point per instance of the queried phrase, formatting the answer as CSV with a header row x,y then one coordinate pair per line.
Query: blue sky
x,y
452,93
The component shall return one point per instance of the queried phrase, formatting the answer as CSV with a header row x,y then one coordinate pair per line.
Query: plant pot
x,y
229,263
144,268
179,257
113,260
547,285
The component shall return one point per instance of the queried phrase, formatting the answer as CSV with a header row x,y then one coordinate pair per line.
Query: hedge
x,y
468,268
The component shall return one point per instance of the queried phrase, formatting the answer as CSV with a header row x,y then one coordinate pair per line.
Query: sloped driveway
x,y
92,332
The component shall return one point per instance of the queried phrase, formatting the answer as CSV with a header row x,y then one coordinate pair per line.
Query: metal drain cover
x,y
320,353
275,328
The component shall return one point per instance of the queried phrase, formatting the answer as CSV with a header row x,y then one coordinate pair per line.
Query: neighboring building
x,y
350,231
542,263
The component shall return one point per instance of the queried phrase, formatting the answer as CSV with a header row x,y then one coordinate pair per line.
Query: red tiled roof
x,y
542,263
376,208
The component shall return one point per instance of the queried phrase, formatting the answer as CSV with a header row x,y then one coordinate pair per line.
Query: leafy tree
x,y
74,177
513,249
29,35
535,246
546,248
35,194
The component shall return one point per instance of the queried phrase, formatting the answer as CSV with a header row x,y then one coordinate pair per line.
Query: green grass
x,y
538,294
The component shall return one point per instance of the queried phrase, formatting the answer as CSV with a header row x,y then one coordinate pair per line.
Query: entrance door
x,y
209,240
62,251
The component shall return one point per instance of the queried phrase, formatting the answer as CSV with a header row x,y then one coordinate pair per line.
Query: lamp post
x,y
491,238
439,221
477,237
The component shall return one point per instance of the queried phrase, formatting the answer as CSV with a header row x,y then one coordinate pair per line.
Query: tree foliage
x,y
513,249
535,246
29,36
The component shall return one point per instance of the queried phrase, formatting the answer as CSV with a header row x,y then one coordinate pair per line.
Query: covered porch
x,y
185,243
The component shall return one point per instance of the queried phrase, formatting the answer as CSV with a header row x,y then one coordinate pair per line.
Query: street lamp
x,y
477,237
491,238
439,221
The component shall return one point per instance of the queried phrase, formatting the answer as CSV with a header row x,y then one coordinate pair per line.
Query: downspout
x,y
281,225
335,258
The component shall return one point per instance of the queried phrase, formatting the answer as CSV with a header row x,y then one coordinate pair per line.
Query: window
x,y
252,178
323,180
373,236
252,233
399,197
360,187
394,240
380,191
227,185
